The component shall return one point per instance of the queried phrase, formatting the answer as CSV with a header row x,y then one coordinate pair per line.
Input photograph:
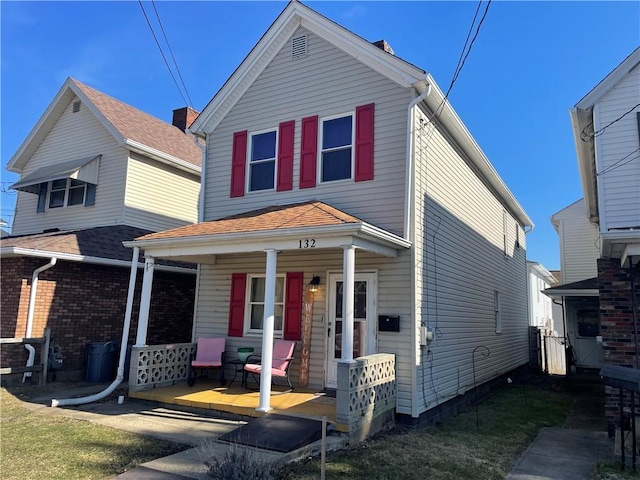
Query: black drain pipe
x,y
634,310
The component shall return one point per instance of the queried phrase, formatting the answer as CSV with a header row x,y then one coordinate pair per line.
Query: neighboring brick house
x,y
606,129
95,172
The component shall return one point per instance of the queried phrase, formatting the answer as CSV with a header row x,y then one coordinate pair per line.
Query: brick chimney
x,y
383,45
184,117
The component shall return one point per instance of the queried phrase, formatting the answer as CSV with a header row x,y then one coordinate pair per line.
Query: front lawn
x,y
45,446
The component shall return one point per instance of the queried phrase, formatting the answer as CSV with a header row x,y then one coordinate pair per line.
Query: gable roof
x,y
582,116
281,30
403,73
583,288
132,128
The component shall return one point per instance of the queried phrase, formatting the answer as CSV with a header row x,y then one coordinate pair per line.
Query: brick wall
x,y
85,303
619,339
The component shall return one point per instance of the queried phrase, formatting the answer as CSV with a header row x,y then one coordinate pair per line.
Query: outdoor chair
x,y
209,354
282,357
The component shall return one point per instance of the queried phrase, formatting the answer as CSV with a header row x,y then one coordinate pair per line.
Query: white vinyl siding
x,y
579,243
393,299
159,197
327,82
74,136
461,263
619,194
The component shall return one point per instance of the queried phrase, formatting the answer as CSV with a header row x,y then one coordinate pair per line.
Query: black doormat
x,y
279,433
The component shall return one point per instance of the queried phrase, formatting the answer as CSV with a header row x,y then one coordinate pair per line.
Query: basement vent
x,y
76,106
299,47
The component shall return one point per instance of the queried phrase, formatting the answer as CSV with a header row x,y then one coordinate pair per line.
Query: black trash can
x,y
100,362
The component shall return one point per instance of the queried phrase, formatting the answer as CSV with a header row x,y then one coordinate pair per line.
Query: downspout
x,y
123,344
203,174
409,191
31,310
409,162
634,307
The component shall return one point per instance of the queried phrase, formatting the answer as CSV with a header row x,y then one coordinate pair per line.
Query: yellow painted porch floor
x,y
208,394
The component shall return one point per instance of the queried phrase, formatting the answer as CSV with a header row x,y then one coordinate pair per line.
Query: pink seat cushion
x,y
209,352
257,369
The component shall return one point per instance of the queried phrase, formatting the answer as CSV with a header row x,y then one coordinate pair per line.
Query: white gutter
x,y
30,311
203,176
71,257
123,344
409,163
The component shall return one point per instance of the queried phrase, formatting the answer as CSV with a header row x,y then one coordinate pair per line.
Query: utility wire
x,y
585,137
171,52
618,164
161,52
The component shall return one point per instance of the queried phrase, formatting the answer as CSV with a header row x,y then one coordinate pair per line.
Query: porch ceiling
x,y
297,227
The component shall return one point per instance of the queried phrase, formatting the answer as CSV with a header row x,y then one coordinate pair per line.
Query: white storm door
x,y
364,315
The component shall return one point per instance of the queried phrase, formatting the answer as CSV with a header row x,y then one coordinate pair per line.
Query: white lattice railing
x,y
366,391
159,365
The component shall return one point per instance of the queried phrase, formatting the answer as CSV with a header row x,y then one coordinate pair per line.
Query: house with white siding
x,y
606,131
95,172
346,206
578,294
540,305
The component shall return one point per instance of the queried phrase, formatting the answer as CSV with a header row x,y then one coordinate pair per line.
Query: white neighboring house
x,y
324,161
540,305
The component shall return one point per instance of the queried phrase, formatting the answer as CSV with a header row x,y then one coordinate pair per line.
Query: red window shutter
x,y
285,156
238,163
236,304
292,329
364,142
309,152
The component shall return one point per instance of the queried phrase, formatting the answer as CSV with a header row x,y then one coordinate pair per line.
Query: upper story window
x,y
255,304
336,155
262,161
66,192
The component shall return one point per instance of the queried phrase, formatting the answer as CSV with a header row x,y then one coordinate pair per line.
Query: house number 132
x,y
307,243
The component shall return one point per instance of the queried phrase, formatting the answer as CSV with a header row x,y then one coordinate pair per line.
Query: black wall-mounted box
x,y
388,323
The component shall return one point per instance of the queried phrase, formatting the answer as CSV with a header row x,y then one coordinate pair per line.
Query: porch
x,y
237,400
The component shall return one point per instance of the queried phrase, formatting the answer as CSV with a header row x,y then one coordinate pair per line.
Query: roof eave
x,y
580,120
454,125
161,156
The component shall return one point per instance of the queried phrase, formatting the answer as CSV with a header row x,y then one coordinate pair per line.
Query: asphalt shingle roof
x,y
141,127
277,217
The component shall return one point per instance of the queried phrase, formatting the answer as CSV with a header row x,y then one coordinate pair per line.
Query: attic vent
x,y
76,106
299,47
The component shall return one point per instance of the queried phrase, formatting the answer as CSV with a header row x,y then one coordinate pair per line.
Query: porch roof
x,y
299,226
582,288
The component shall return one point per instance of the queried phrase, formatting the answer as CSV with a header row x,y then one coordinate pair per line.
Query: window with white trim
x,y
255,304
497,311
262,160
66,192
336,153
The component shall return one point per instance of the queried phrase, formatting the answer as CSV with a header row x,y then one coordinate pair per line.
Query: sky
x,y
529,64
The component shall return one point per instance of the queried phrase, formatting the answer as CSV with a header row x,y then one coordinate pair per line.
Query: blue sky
x,y
531,62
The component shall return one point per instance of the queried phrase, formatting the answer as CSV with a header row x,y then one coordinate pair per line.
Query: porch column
x,y
145,302
267,331
348,269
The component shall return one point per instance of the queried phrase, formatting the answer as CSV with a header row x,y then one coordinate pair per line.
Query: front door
x,y
364,328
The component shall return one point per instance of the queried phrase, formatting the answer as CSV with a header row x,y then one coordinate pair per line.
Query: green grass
x,y
48,446
509,421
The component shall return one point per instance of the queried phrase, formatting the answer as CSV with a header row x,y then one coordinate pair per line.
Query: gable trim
x,y
276,37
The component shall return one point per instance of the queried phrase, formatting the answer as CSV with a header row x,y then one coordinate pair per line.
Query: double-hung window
x,y
262,161
336,156
255,307
66,192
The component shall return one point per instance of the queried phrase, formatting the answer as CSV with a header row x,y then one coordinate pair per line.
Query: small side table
x,y
238,368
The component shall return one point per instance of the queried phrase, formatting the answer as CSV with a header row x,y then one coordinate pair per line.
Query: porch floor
x,y
208,394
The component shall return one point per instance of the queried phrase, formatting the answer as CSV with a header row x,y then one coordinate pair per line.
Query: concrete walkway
x,y
573,451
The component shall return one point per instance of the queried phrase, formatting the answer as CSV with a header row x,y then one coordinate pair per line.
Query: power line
x,y
171,52
162,53
585,137
618,164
